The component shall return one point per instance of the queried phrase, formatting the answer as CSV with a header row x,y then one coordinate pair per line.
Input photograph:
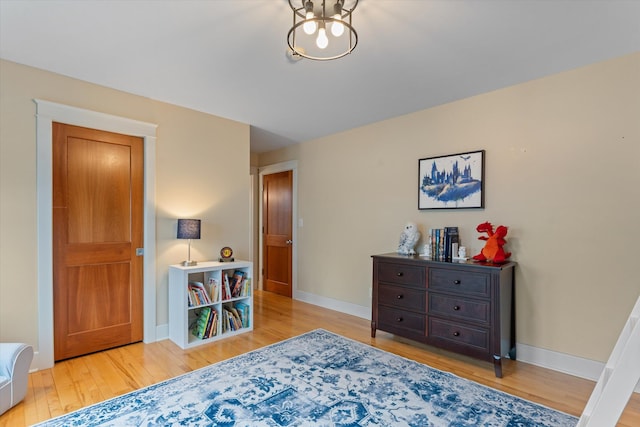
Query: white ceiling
x,y
228,57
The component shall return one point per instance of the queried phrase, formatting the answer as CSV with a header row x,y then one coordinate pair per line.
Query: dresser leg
x,y
373,329
497,365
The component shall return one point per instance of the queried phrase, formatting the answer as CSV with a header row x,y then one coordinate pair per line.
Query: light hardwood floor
x,y
75,383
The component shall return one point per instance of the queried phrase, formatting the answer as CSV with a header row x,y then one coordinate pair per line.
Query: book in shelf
x,y
198,294
206,323
214,289
235,316
245,313
236,285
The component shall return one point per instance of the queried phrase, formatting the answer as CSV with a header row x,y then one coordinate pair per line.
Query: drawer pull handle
x,y
398,319
400,296
456,307
456,334
399,274
456,282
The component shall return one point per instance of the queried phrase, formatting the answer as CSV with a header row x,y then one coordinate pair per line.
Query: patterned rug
x,y
316,379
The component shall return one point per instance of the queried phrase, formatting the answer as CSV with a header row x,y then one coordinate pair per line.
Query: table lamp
x,y
189,229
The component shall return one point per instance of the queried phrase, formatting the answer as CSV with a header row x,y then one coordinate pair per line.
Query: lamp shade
x,y
188,229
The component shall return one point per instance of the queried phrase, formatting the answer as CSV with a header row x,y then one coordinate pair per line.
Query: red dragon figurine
x,y
492,251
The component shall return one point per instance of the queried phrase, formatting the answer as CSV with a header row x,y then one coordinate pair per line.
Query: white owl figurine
x,y
408,239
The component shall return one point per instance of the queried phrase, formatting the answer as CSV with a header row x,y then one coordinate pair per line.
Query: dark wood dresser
x,y
466,307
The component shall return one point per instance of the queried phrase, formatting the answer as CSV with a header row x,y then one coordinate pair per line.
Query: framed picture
x,y
455,181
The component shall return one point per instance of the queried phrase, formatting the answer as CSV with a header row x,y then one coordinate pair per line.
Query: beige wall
x,y
563,168
202,171
562,172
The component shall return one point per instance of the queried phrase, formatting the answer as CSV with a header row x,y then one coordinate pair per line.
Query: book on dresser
x,y
450,237
209,301
441,242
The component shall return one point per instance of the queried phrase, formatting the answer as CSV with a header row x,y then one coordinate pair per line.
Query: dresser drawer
x,y
398,319
401,274
459,281
452,307
402,297
476,339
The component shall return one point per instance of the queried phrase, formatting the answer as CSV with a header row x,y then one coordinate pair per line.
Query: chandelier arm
x,y
300,11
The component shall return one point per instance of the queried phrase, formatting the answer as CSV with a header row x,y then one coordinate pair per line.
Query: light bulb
x,y
309,27
337,28
322,41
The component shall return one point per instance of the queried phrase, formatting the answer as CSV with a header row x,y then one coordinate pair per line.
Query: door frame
x,y
46,113
267,170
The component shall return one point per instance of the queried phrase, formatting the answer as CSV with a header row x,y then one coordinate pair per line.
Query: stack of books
x,y
442,241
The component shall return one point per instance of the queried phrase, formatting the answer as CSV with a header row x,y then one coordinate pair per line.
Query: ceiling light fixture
x,y
308,37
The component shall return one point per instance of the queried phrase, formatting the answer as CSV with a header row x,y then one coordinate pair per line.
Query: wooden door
x,y
277,209
97,226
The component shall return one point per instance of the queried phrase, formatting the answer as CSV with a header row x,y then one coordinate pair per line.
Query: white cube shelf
x,y
192,296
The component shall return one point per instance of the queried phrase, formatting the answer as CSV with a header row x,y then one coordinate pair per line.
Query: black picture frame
x,y
453,181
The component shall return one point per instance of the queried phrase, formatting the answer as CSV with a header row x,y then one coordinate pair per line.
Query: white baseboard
x,y
36,363
561,362
334,304
162,332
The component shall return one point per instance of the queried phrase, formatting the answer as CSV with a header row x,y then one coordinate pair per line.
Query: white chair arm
x,y
15,360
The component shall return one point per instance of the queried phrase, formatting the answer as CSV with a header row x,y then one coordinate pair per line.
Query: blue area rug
x,y
316,379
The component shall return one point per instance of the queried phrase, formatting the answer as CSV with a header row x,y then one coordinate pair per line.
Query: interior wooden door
x,y
277,209
98,184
